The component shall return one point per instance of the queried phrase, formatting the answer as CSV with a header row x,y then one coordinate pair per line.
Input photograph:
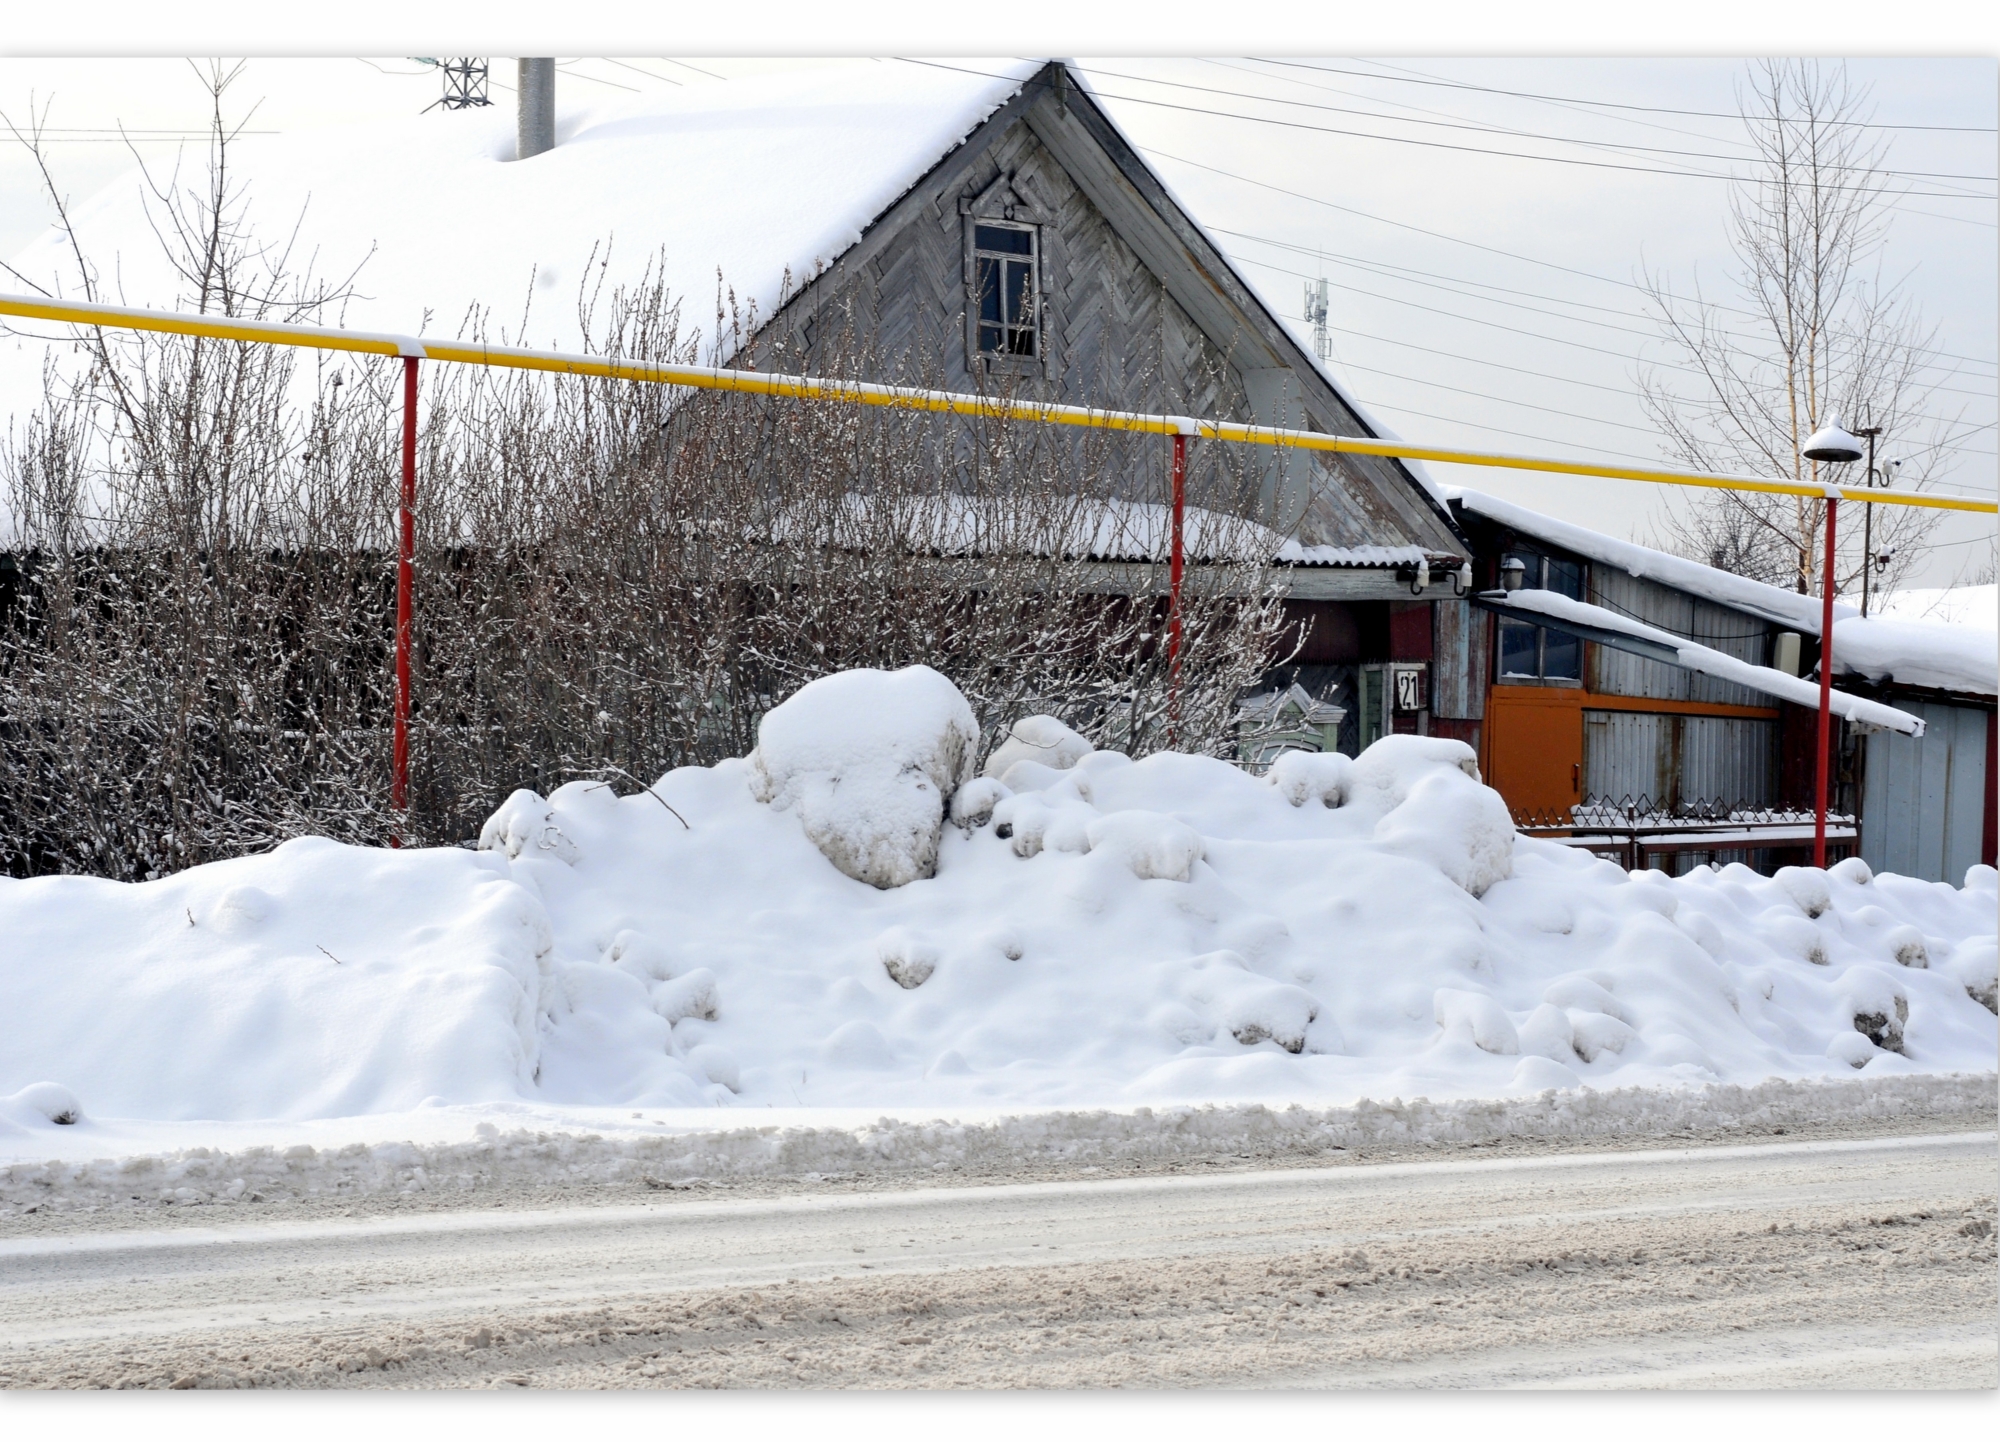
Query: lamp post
x,y
1868,515
1832,444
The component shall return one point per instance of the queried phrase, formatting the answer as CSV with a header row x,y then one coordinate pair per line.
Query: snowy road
x,y
1836,1263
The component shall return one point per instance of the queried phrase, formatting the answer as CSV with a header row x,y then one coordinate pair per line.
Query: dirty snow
x,y
1115,933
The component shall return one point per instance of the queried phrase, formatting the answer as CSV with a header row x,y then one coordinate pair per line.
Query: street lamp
x,y
1868,516
1833,445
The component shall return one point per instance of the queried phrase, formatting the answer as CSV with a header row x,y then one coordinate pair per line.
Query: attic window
x,y
1005,290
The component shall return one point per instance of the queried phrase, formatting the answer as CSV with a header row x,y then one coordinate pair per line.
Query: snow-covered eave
x,y
1772,603
861,226
1608,628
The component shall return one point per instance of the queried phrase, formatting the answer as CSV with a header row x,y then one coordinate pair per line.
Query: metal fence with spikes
x,y
1633,830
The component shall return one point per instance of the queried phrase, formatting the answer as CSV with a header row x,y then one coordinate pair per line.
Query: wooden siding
x,y
1116,330
1459,673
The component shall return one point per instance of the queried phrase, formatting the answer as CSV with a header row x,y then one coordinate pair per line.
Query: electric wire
x,y
627,65
1489,129
1447,145
1635,359
1607,104
1457,240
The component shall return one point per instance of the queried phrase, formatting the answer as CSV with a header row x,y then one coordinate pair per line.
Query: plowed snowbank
x,y
1097,931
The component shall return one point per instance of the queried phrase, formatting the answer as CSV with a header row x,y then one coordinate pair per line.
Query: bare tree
x,y
1813,332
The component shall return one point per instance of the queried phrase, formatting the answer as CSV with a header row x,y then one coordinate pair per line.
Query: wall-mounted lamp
x,y
1513,571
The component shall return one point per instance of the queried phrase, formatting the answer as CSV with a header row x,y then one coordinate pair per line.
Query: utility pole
x,y
535,127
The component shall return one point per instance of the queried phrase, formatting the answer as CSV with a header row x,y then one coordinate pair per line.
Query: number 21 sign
x,y
1409,688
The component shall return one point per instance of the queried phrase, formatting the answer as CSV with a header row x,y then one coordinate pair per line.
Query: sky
x,y
1482,223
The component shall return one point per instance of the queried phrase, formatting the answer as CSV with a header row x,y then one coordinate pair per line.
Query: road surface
x,y
1858,1263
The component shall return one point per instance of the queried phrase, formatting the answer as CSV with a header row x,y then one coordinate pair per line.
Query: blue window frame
x,y
1005,290
1540,652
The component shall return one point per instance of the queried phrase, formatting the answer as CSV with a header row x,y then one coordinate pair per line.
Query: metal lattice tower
x,y
1316,313
464,82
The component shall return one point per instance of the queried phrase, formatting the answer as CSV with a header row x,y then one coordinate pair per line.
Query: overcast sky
x,y
1481,248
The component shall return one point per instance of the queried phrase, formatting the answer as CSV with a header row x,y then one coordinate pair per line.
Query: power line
x,y
1426,110
1608,104
1484,396
667,79
571,71
1456,240
1447,145
1386,274
1901,207
1508,130
1914,415
712,75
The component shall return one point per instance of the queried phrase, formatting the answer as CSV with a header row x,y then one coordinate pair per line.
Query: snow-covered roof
x,y
1710,662
1918,653
755,178
1963,656
1773,603
1105,530
1974,606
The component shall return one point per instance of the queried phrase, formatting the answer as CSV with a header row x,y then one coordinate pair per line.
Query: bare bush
x,y
613,578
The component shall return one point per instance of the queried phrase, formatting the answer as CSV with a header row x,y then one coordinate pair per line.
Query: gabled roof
x,y
1056,102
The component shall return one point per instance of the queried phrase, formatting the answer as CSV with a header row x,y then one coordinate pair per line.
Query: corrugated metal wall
x,y
1923,799
1620,673
1627,755
1729,760
1679,760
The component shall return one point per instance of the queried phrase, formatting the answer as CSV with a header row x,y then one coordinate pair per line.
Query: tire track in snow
x,y
1751,1266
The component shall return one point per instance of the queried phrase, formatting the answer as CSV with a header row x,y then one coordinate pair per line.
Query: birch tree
x,y
1812,331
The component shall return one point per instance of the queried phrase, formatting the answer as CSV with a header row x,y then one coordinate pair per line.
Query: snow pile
x,y
868,759
316,980
1108,933
1042,739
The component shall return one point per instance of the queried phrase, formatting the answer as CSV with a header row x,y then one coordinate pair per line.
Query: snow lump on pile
x,y
867,760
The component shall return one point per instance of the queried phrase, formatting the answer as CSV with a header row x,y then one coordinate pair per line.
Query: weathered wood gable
x,y
1139,310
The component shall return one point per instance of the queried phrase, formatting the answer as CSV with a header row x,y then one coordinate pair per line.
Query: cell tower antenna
x,y
464,82
1316,313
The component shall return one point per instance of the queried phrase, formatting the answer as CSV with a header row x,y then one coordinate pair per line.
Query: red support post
x,y
1824,759
1176,566
399,780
